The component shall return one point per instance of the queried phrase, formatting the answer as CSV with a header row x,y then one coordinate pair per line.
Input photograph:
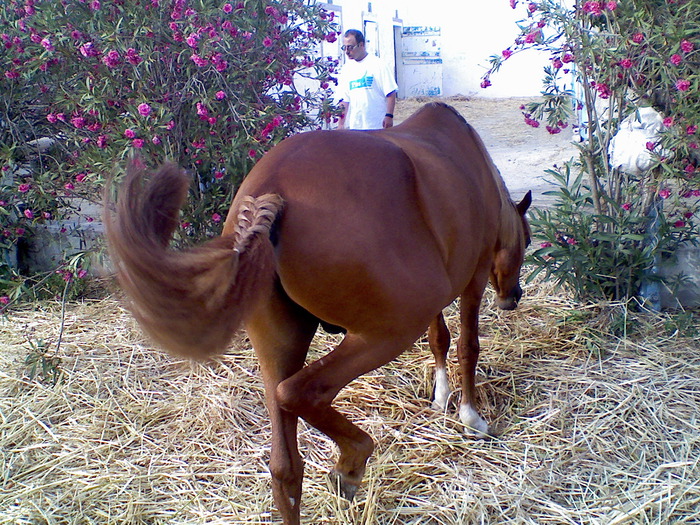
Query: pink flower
x,y
78,122
11,74
82,273
690,130
199,61
29,214
88,50
668,122
69,186
112,59
593,8
679,224
664,193
506,53
216,217
5,299
51,118
557,63
133,57
627,206
531,121
102,142
676,59
513,3
202,111
192,40
199,143
267,42
137,143
567,58
220,95
227,8
545,244
571,241
24,188
46,43
625,63
129,133
80,177
650,145
46,215
532,7
689,169
638,38
485,83
682,85
156,140
611,5
20,231
687,46
252,154
144,109
603,90
531,38
95,5
170,125
218,175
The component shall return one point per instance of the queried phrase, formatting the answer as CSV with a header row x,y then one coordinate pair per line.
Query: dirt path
x,y
521,152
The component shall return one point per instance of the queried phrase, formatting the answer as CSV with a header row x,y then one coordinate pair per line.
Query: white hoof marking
x,y
442,389
471,418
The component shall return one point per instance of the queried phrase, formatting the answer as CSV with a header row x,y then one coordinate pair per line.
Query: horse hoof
x,y
345,488
475,426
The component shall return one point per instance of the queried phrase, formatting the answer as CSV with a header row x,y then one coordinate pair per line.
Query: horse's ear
x,y
524,204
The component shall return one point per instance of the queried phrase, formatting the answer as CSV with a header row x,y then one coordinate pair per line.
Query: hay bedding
x,y
593,428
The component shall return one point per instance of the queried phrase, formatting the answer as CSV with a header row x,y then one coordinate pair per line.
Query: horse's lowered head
x,y
514,237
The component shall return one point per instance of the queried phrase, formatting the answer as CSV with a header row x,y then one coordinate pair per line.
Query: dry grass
x,y
594,427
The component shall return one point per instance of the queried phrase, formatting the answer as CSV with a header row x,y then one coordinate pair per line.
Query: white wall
x,y
471,31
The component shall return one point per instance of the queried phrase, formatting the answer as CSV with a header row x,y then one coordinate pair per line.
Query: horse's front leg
x,y
439,341
468,354
281,333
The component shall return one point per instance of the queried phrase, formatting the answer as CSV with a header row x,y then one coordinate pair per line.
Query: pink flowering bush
x,y
208,84
607,60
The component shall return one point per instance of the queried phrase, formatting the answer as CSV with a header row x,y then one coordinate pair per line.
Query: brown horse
x,y
371,232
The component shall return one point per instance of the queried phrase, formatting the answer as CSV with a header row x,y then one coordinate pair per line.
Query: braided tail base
x,y
190,302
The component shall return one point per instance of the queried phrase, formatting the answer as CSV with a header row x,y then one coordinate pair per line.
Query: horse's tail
x,y
190,302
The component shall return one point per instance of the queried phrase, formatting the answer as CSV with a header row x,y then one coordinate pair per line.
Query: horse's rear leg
x,y
468,354
439,340
310,393
281,333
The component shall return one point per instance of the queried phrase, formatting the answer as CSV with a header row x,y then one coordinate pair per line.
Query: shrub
x,y
208,84
608,229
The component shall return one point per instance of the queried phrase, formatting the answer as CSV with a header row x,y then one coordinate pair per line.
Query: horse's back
x,y
378,227
351,240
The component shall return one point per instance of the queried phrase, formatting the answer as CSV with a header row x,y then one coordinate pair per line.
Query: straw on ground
x,y
595,426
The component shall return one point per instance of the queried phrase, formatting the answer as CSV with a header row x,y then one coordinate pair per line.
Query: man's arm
x,y
341,120
390,105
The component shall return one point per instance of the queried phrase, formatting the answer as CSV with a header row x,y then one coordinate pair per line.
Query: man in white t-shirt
x,y
366,87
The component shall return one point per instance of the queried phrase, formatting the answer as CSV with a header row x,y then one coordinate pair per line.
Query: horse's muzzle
x,y
510,302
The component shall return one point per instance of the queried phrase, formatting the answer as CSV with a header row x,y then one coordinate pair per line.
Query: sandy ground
x,y
521,152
